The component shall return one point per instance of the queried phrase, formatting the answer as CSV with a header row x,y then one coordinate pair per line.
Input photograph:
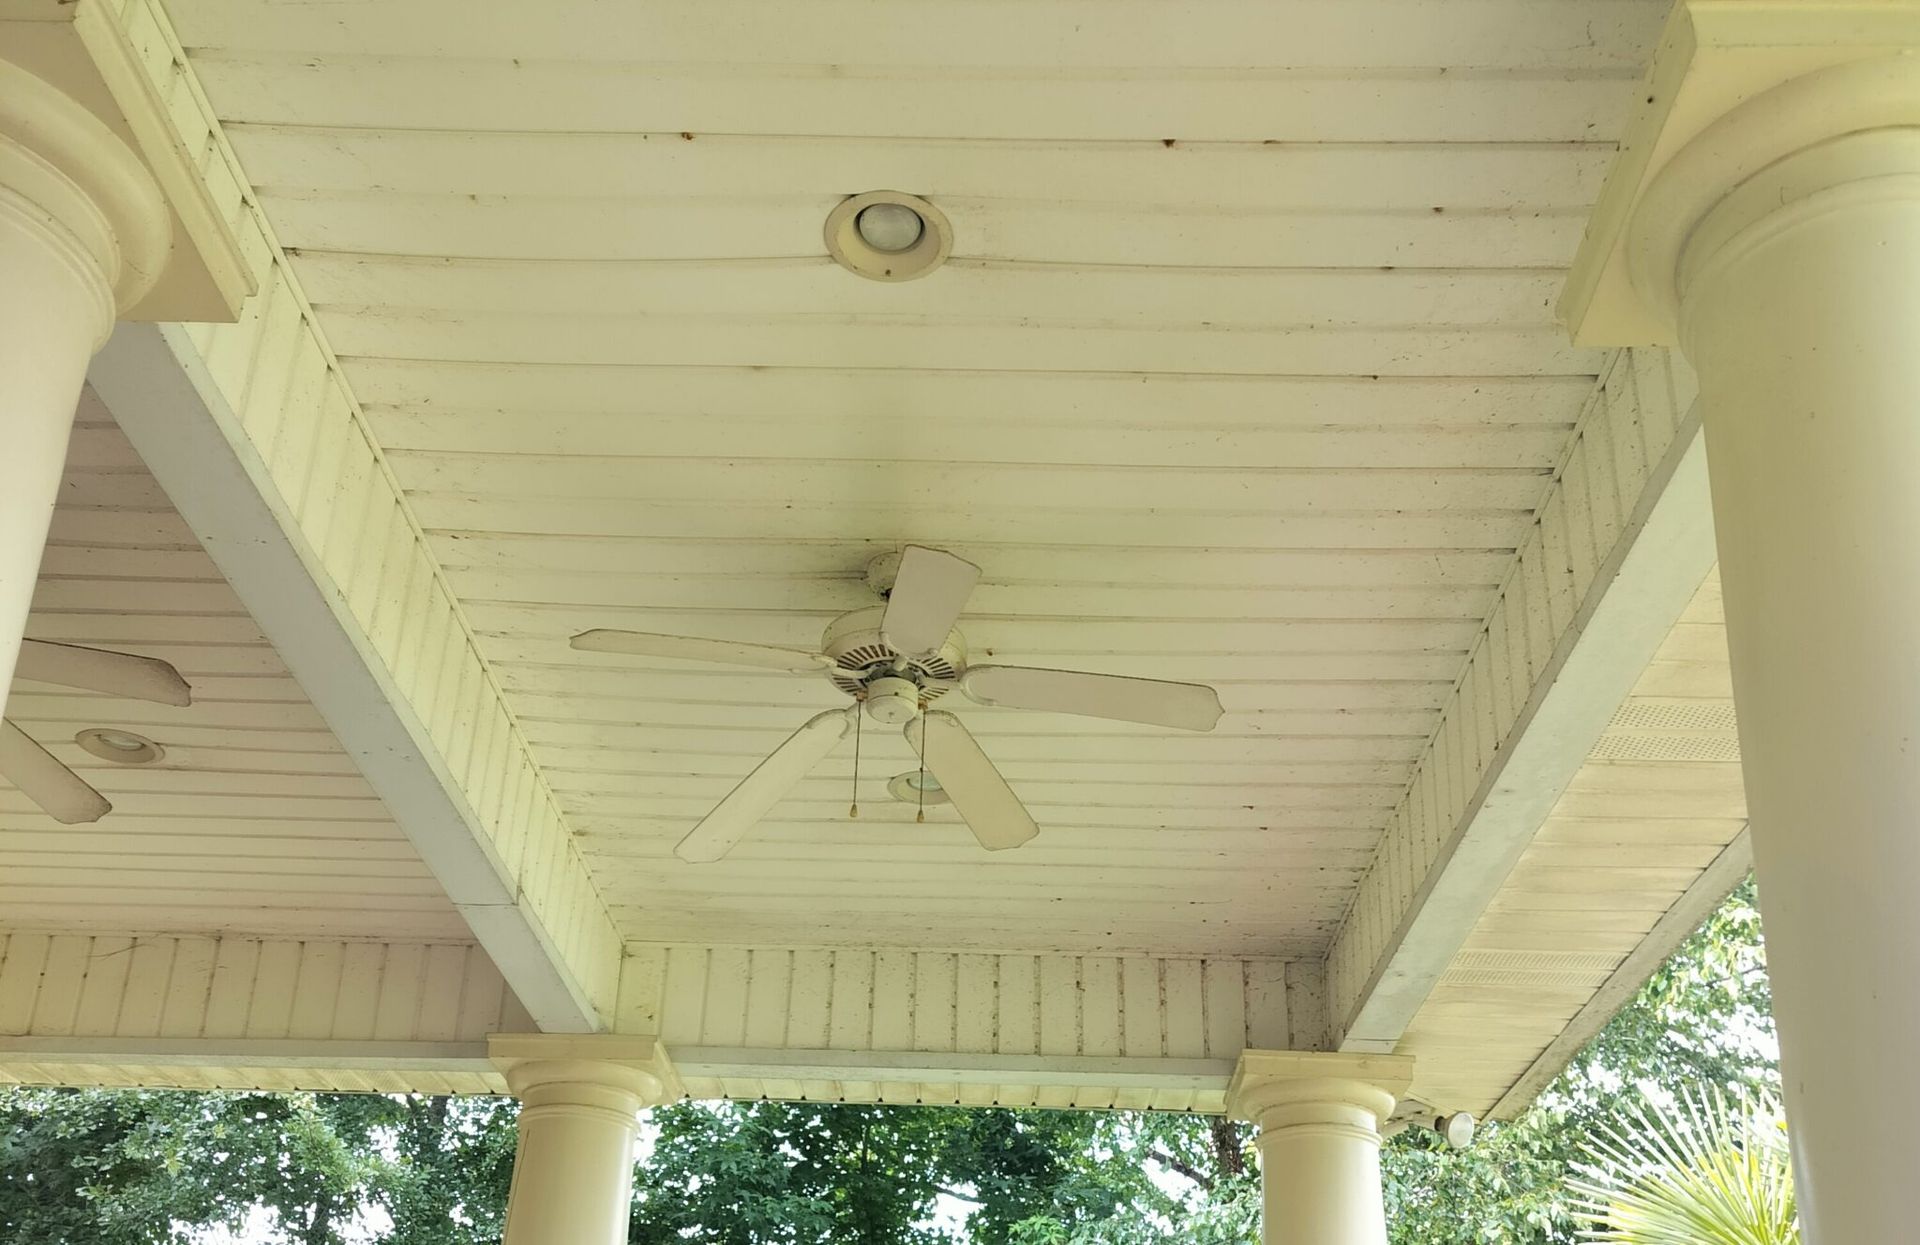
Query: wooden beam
x,y
1621,543
454,773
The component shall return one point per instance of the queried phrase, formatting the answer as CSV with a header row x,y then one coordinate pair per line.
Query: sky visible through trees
x,y
169,1168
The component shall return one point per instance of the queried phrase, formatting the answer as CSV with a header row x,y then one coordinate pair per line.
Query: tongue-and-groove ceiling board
x,y
255,821
1244,375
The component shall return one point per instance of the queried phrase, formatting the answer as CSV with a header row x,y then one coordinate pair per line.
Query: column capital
x,y
1736,87
68,177
1277,1088
542,1067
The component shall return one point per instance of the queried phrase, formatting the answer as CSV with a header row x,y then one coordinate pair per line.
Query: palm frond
x,y
1701,1172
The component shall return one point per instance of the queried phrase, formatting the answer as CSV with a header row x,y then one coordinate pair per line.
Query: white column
x,y
1782,243
580,1102
1319,1118
83,232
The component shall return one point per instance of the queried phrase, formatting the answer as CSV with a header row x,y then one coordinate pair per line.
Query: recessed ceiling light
x,y
122,747
917,787
888,235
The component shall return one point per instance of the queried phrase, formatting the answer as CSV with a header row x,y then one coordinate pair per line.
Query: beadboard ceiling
x,y
256,820
1239,375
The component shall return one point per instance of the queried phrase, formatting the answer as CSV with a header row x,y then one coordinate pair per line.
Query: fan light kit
x,y
917,787
37,773
120,747
888,235
896,660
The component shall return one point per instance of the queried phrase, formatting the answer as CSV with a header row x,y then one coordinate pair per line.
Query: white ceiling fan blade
x,y
691,648
759,791
46,781
929,591
979,794
98,670
1188,706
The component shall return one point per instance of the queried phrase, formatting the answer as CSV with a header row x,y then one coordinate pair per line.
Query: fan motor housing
x,y
892,700
861,659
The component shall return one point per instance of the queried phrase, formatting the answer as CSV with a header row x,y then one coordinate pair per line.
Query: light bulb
x,y
889,228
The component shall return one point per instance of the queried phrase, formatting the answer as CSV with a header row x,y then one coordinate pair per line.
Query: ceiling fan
x,y
40,776
896,660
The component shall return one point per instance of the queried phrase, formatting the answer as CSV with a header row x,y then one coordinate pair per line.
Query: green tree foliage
x,y
124,1168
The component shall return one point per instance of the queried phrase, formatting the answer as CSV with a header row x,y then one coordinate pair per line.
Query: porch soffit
x,y
1306,492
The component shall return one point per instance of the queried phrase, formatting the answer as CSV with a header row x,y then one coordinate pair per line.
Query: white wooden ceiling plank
x,y
568,738
32,704
1262,176
152,779
588,593
154,827
908,435
215,805
1468,529
989,722
1145,795
1006,485
983,882
109,911
968,291
209,883
1141,849
768,230
556,697
214,688
675,817
585,769
362,90
136,626
1061,36
1096,400
643,341
1013,637
552,697
195,659
1057,564
151,529
1238,937
220,852
537,661
111,490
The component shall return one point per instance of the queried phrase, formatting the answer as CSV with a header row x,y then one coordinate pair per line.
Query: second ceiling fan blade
x,y
44,780
1188,706
759,791
979,794
693,648
98,670
930,589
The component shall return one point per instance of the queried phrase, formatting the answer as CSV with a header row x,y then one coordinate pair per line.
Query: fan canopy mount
x,y
871,670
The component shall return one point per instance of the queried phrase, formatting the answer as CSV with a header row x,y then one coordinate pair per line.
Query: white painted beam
x,y
1622,542
177,416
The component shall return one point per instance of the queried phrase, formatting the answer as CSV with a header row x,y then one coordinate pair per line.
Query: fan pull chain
x,y
920,814
853,809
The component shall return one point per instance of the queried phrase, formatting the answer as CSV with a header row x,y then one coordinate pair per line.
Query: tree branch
x,y
1184,1168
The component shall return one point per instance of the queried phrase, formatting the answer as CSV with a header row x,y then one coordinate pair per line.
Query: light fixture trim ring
x,y
854,253
111,744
